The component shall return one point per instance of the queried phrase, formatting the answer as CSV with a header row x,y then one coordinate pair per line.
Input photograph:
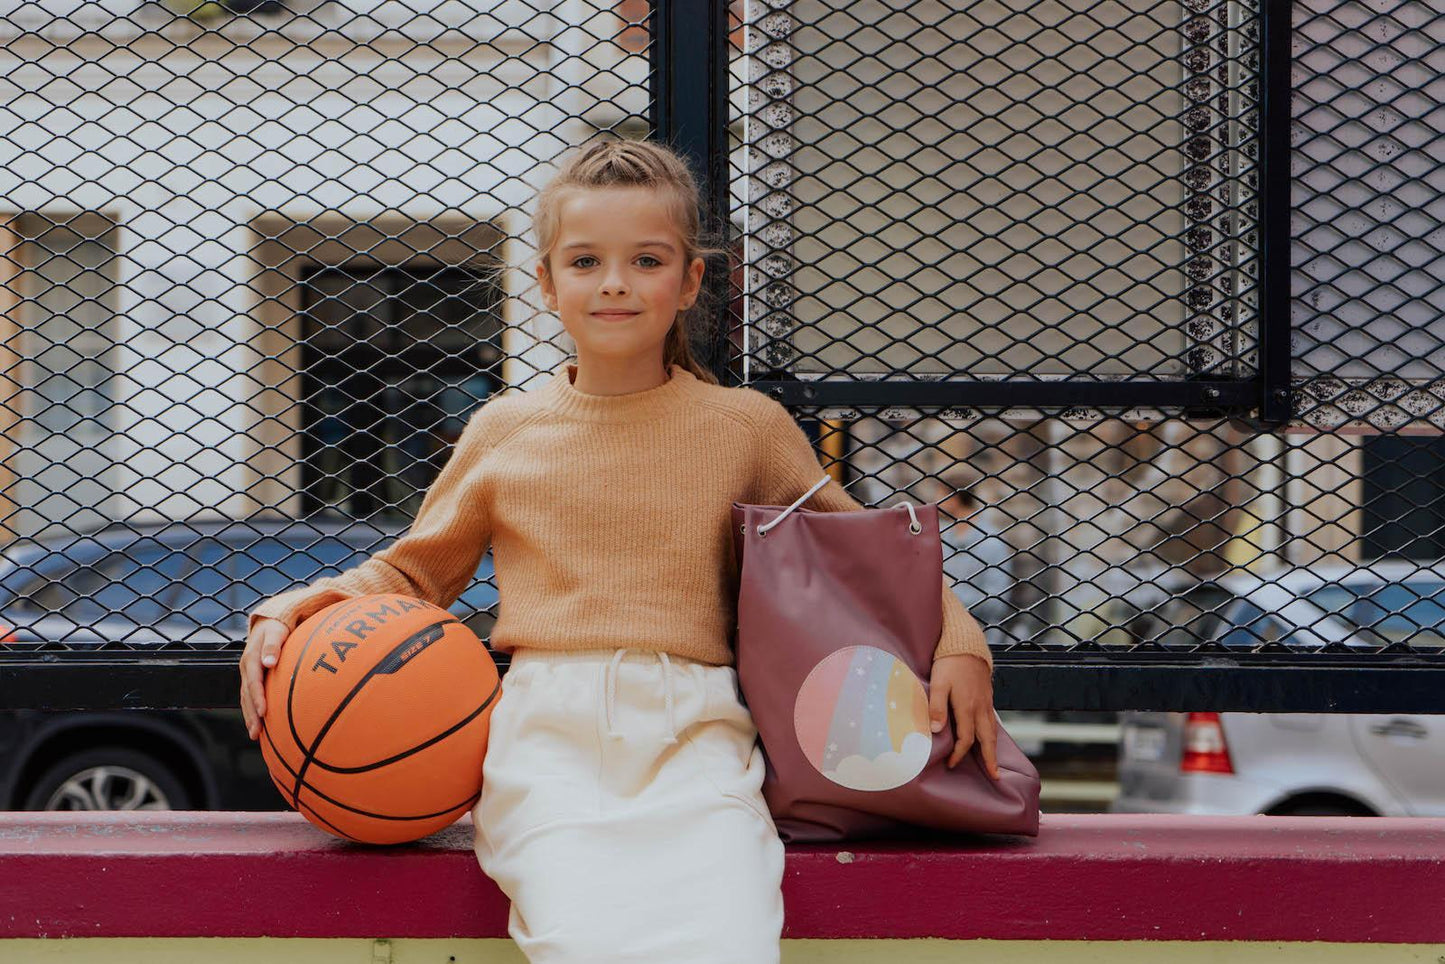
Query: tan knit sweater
x,y
608,517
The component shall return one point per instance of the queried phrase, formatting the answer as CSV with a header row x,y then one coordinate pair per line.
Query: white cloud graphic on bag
x,y
861,718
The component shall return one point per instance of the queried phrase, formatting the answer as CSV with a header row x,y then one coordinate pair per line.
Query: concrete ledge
x,y
1086,877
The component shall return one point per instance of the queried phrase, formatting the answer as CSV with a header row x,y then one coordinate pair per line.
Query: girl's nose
x,y
614,284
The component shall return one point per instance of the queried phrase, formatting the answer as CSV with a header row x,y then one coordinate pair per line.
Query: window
x,y
64,291
125,584
196,595
67,312
1250,626
394,362
268,566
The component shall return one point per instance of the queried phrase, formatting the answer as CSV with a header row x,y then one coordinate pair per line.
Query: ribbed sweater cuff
x,y
961,632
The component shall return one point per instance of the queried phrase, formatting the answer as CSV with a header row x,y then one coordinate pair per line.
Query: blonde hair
x,y
625,163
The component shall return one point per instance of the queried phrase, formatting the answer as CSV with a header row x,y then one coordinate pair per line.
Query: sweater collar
x,y
632,406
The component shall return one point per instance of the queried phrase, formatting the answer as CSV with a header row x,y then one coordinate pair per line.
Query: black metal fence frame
x,y
689,93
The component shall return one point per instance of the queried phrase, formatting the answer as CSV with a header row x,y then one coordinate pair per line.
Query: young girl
x,y
621,806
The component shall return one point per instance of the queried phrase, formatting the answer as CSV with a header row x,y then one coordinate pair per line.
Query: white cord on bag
x,y
763,529
914,526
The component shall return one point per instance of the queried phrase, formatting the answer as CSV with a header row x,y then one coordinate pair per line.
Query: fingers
x,y
246,712
275,635
973,718
987,729
244,667
262,650
255,693
963,723
937,704
251,706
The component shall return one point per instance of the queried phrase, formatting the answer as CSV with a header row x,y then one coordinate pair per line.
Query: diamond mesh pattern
x,y
1016,194
263,258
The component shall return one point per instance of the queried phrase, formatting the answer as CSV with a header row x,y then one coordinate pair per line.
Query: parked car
x,y
1246,611
1390,764
139,587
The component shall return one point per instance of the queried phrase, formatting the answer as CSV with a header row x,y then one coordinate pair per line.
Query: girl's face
x,y
618,273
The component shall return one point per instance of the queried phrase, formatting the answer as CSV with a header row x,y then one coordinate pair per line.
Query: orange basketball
x,y
377,713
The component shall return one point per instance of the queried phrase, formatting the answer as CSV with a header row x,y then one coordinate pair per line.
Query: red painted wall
x,y
1086,876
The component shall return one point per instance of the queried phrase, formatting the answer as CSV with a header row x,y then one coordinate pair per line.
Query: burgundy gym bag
x,y
838,617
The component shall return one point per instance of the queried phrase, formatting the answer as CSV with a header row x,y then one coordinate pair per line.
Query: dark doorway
x,y
394,360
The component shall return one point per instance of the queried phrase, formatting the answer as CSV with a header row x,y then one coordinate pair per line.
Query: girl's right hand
x,y
263,647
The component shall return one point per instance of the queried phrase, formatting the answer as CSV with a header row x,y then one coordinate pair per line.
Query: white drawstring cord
x,y
610,687
764,527
914,526
667,698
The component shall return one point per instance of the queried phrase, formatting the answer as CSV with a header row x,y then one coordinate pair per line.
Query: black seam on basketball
x,y
347,807
335,829
435,630
491,698
309,753
338,618
298,806
325,628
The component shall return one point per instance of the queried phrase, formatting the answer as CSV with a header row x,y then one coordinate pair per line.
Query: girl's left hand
x,y
965,682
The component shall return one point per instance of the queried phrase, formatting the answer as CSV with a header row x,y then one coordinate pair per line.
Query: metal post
x,y
1274,191
688,84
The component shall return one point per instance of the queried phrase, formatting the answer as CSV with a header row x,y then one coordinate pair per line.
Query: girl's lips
x,y
614,314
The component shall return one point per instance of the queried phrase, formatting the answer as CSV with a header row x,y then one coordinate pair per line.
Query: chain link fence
x,y
1146,296
1011,258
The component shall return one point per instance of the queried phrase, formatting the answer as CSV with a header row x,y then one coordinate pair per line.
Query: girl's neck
x,y
607,377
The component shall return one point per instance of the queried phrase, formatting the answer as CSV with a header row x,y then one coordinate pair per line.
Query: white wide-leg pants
x,y
621,811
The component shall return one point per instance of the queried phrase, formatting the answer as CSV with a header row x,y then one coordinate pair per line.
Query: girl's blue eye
x,y
587,257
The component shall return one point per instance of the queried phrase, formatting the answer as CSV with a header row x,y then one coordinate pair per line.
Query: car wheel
x,y
108,778
1318,808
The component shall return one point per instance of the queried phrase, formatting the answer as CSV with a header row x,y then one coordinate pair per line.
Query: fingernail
x,y
937,726
269,661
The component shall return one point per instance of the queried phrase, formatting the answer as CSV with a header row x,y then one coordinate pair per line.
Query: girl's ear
x,y
691,283
549,291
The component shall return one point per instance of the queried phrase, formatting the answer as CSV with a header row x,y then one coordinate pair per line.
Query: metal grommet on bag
x,y
914,526
764,527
